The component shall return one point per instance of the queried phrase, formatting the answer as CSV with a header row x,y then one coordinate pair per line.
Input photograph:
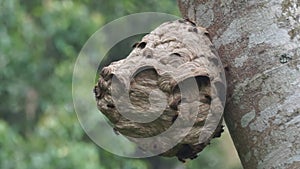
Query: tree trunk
x,y
259,42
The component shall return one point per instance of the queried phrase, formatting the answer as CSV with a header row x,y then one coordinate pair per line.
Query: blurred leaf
x,y
39,43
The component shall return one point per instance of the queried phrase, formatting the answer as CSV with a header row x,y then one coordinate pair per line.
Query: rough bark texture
x,y
152,90
259,41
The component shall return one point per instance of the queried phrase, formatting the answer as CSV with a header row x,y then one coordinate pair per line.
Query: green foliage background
x,y
39,43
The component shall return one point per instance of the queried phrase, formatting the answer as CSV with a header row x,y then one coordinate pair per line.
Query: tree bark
x,y
259,42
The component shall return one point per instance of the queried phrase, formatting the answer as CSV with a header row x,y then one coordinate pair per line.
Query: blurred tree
x,y
39,43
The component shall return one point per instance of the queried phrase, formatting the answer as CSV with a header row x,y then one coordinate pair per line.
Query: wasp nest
x,y
167,96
